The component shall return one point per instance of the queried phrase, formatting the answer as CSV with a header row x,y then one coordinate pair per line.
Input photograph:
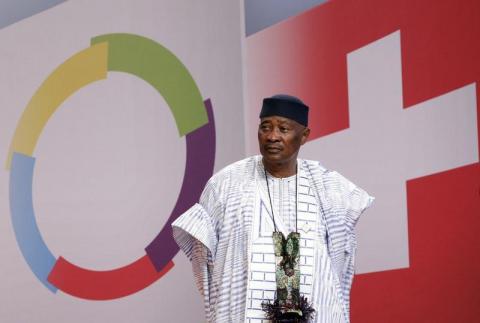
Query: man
x,y
272,238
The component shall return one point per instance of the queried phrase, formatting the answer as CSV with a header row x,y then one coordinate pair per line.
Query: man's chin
x,y
273,158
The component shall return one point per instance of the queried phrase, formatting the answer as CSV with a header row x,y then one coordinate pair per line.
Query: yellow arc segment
x,y
84,67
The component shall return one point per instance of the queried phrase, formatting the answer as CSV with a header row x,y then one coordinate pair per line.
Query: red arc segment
x,y
108,284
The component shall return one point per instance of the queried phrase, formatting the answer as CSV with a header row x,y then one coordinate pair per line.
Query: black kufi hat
x,y
285,106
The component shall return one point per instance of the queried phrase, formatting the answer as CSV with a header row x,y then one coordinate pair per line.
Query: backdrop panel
x,y
113,115
393,90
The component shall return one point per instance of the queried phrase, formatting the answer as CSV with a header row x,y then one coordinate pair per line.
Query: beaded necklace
x,y
288,305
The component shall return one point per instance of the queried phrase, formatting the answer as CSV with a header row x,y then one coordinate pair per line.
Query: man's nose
x,y
273,135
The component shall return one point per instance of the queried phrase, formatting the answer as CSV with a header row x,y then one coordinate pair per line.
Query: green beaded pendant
x,y
289,306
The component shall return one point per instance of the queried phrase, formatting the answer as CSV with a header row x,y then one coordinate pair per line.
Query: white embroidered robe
x,y
216,235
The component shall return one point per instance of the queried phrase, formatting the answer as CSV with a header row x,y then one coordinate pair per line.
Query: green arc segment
x,y
159,67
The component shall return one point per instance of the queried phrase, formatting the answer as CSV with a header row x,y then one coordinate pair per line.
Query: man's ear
x,y
305,134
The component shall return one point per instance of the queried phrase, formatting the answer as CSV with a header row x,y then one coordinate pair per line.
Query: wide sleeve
x,y
195,236
195,233
355,201
195,226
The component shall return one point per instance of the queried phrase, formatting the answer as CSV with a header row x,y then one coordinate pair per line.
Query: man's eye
x,y
283,129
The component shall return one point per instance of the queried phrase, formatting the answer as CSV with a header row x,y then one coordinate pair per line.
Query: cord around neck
x,y
270,199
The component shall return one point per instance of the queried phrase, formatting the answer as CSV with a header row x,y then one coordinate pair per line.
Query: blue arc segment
x,y
36,253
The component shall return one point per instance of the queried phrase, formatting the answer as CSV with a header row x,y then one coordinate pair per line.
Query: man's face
x,y
280,139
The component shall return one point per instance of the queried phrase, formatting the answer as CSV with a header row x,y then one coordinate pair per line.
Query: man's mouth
x,y
273,149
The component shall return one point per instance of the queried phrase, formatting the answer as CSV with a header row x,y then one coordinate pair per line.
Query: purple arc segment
x,y
198,169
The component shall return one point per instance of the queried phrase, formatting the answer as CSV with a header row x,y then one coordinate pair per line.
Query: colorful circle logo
x,y
193,116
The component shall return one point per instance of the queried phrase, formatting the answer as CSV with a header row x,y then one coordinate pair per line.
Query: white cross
x,y
387,145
